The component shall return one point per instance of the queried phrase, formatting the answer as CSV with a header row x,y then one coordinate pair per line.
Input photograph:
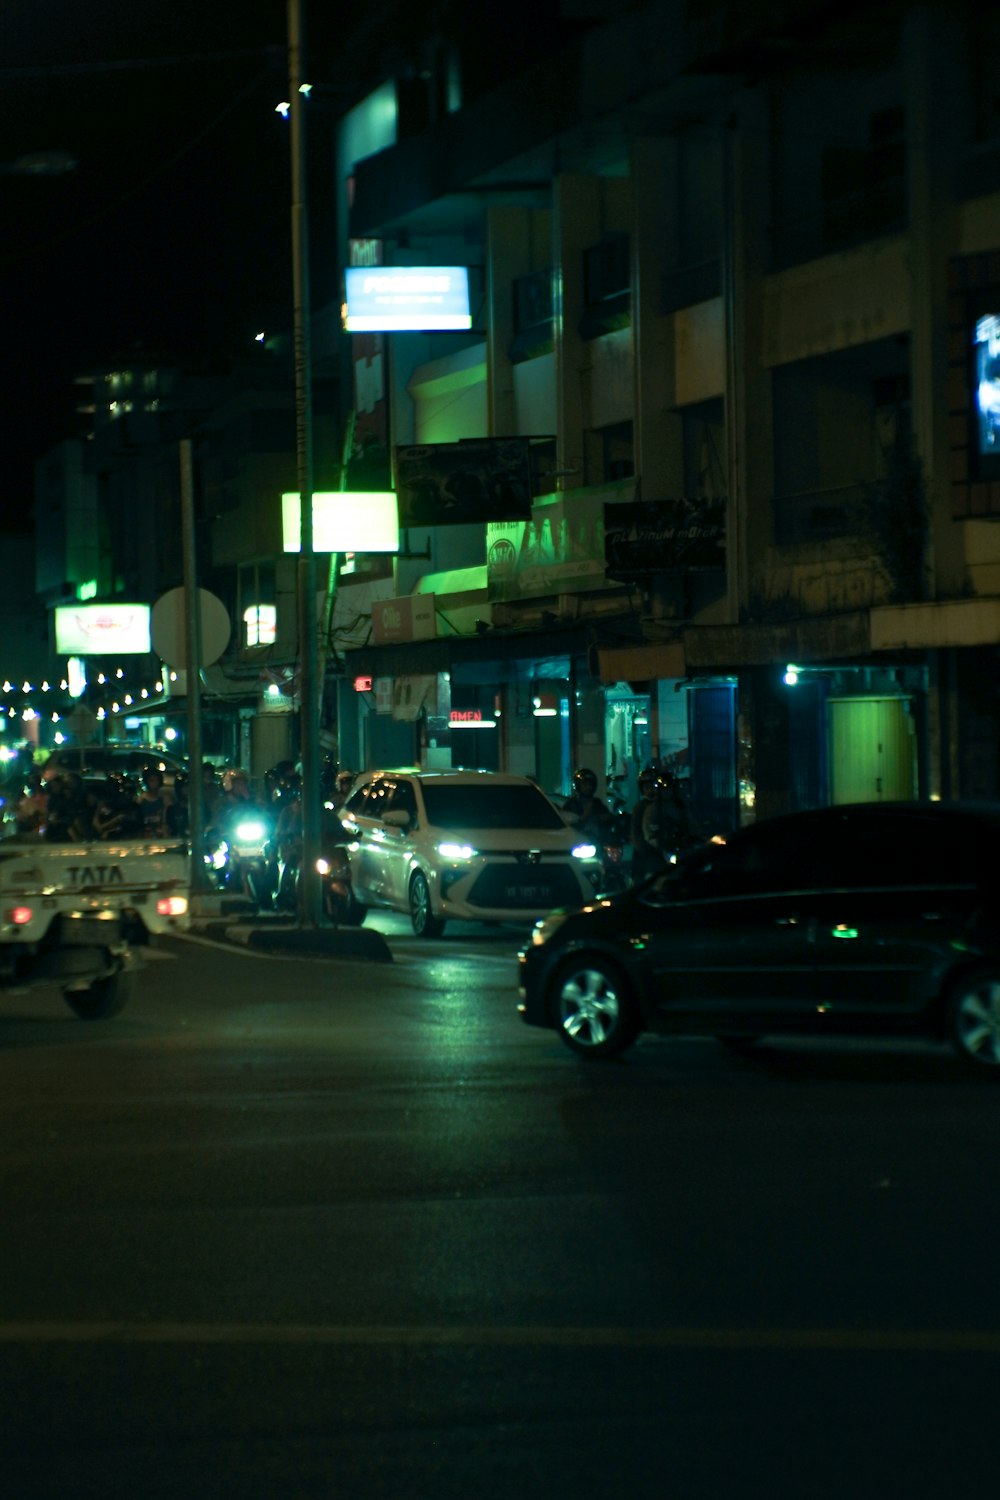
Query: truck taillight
x,y
172,906
19,915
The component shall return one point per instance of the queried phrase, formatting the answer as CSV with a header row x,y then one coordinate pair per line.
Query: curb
x,y
327,942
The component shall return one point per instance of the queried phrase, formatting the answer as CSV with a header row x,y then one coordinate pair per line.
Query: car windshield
x,y
458,808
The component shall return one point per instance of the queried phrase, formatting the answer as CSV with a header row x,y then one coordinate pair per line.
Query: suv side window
x,y
402,798
892,850
357,800
767,857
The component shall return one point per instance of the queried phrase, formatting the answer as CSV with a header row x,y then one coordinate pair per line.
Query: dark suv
x,y
869,919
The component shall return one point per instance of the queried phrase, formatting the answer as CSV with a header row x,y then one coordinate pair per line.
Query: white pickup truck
x,y
72,915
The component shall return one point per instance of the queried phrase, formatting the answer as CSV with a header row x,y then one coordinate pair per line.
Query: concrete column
x,y
749,443
508,255
659,454
938,103
576,223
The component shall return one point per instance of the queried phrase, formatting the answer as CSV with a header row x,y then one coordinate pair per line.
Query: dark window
x,y
463,809
883,849
606,269
769,857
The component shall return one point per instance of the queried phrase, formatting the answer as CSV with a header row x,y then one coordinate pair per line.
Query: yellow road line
x,y
789,1340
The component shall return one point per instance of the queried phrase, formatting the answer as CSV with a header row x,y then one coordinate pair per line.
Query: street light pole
x,y
309,687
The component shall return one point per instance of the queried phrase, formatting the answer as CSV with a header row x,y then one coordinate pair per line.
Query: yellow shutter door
x,y
872,750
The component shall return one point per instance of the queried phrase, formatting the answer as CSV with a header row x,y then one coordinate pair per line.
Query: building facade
x,y
728,272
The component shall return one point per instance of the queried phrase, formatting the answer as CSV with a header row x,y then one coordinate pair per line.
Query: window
x,y
258,607
610,453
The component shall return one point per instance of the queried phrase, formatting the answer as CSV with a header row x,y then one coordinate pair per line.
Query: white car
x,y
480,846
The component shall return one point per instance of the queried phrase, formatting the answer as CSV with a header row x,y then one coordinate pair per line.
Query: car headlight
x,y
584,851
456,851
547,928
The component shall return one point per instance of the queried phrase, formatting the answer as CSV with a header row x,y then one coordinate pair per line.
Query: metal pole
x,y
192,665
309,686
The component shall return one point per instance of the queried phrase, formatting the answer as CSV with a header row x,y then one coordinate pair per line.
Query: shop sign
x,y
560,550
665,536
410,618
459,484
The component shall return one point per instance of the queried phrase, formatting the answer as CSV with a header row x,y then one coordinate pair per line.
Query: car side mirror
x,y
397,817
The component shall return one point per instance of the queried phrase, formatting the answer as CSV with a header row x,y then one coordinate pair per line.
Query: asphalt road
x,y
296,1228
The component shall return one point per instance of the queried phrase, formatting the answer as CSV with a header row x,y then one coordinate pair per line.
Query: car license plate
x,y
528,895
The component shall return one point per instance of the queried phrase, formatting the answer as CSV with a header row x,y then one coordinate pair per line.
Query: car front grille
x,y
522,886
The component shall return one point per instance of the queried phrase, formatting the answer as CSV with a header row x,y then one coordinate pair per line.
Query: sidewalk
x,y
230,919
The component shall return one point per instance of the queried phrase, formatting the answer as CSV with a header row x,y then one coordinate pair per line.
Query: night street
x,y
312,1228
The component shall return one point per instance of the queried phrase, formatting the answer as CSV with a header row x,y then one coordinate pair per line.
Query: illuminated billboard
x,y
394,299
987,404
102,629
343,521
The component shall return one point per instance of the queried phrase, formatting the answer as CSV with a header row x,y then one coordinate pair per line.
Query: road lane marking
x,y
726,1340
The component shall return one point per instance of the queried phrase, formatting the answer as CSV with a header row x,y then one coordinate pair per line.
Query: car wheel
x,y
104,998
593,1007
974,1018
425,923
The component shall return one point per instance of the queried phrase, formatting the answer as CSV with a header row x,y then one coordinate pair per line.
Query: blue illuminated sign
x,y
393,299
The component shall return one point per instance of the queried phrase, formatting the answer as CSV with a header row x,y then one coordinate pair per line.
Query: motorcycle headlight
x,y
250,831
219,857
323,867
584,851
456,851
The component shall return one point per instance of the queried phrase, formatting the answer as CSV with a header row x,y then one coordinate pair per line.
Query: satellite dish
x,y
168,627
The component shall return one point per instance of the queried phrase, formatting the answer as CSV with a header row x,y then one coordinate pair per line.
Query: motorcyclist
x,y
585,809
288,838
662,824
237,813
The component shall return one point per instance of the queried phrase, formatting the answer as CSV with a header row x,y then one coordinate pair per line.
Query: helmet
x,y
585,781
647,780
345,780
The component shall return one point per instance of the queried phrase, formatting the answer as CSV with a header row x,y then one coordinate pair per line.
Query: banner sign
x,y
454,484
664,536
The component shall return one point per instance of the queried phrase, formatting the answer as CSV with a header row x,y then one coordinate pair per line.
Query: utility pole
x,y
192,666
309,686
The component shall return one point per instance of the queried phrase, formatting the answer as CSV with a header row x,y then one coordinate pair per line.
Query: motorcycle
x,y
237,855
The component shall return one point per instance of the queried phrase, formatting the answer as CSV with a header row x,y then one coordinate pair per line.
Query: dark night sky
x,y
174,230
173,234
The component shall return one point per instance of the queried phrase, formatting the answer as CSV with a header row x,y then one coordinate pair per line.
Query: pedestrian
x,y
152,805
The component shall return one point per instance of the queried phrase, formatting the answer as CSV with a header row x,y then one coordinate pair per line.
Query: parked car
x,y
105,760
470,845
869,919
